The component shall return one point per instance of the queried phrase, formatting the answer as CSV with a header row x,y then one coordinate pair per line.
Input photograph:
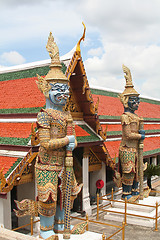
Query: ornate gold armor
x,y
49,168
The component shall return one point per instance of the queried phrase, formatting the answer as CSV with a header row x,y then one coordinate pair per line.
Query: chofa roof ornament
x,y
78,49
129,87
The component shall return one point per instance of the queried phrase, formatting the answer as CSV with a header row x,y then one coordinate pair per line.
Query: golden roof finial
x,y
78,49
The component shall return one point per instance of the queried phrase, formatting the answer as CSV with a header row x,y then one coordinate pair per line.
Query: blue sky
x,y
118,32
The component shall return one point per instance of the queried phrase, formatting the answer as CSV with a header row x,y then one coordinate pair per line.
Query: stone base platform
x,y
85,236
135,209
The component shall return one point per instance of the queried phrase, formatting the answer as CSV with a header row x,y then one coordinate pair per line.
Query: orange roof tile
x,y
118,127
80,132
112,127
6,163
20,93
111,106
150,144
23,130
113,148
15,130
151,126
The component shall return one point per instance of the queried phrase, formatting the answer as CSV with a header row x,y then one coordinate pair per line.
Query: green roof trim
x,y
119,133
28,73
13,166
104,93
105,117
109,117
150,101
155,151
152,131
92,138
14,141
21,110
152,119
112,133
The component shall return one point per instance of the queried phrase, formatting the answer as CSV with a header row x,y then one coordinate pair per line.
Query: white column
x,y
85,193
154,161
5,212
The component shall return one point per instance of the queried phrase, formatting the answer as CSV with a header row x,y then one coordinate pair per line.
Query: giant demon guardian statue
x,y
130,155
56,183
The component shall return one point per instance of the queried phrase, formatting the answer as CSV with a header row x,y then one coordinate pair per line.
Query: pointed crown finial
x,y
129,87
55,73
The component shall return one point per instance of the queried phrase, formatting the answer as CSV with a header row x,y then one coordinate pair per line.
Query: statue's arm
x,y
72,139
128,134
126,129
46,142
43,123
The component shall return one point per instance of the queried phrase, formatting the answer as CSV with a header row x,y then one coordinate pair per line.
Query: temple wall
x,y
5,212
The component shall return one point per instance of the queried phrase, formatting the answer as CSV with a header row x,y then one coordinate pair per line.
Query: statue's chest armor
x,y
58,129
134,123
134,127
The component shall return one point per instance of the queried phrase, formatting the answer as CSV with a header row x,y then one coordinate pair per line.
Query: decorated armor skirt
x,y
128,164
51,188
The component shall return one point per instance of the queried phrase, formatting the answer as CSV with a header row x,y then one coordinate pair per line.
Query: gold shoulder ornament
x,y
43,86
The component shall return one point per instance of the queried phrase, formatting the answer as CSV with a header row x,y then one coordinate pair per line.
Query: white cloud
x,y
95,51
118,32
12,58
143,62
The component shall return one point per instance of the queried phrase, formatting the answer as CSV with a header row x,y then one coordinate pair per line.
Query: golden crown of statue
x,y
55,73
129,87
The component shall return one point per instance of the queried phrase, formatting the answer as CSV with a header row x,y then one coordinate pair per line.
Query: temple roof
x,y
92,109
151,147
148,108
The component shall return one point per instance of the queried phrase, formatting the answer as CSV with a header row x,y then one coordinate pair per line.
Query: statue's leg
x,y
135,188
59,220
59,223
47,213
46,226
127,182
126,191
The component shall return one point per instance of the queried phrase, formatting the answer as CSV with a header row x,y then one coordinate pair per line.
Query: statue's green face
x,y
133,103
59,93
